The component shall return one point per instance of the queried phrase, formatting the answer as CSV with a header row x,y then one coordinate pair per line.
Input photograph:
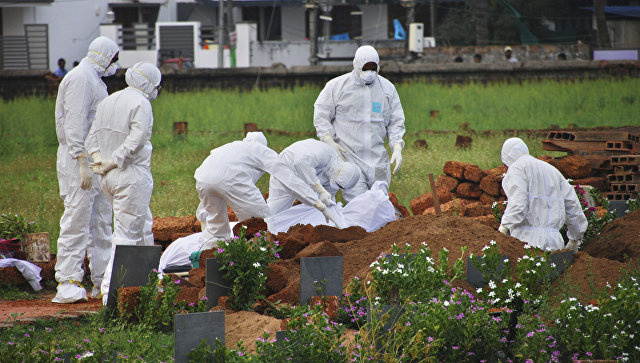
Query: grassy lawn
x,y
28,148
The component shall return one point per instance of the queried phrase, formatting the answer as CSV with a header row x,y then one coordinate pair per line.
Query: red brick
x,y
446,182
424,201
469,190
455,169
474,173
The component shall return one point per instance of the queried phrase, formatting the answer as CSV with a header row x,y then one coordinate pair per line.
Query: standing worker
x,y
229,175
86,222
540,201
355,113
317,164
120,145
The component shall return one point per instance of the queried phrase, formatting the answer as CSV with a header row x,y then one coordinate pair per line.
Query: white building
x,y
34,34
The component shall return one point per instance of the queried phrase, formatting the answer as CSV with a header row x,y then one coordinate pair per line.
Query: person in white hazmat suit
x,y
319,166
120,145
85,225
355,113
540,201
229,175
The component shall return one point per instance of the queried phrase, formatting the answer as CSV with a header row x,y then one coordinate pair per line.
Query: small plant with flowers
x,y
243,264
417,277
353,305
204,353
633,205
310,337
497,210
531,280
157,302
595,223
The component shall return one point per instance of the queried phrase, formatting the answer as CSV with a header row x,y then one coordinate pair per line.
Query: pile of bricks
x,y
612,153
473,189
625,180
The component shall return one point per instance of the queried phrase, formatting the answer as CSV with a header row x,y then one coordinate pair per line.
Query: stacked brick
x,y
463,189
624,182
601,148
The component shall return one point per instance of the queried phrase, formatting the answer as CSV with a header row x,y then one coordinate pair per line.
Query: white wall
x,y
293,23
12,21
72,27
374,22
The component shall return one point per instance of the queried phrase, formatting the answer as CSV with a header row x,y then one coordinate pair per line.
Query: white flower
x,y
518,285
526,246
256,265
485,248
446,303
492,284
408,245
374,263
504,281
262,249
492,294
492,242
445,249
479,290
384,272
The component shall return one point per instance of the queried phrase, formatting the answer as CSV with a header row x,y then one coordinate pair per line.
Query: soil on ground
x,y
600,263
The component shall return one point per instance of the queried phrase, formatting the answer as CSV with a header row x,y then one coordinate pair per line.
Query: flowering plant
x,y
416,277
243,264
595,223
310,337
497,210
354,304
532,274
633,205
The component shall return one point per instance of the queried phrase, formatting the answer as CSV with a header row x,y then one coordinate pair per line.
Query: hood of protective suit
x,y
101,51
364,55
512,150
144,77
344,174
256,136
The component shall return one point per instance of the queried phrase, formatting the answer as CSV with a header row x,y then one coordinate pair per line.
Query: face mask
x,y
153,94
111,70
367,76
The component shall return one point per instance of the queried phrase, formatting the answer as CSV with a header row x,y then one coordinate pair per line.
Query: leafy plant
x,y
15,226
595,223
310,337
416,277
353,305
157,302
244,263
497,210
203,353
633,205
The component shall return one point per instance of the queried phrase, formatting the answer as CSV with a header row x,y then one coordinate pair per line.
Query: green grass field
x,y
28,147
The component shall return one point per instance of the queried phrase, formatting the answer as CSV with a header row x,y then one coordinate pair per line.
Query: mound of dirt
x,y
619,240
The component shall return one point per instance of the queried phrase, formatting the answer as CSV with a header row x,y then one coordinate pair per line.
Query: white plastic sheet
x,y
29,271
370,210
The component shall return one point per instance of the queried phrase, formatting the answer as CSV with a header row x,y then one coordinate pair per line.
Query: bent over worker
x,y
319,166
540,201
120,145
355,113
85,225
229,175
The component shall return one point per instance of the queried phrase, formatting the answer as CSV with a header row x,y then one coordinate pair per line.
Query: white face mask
x,y
154,94
111,70
367,76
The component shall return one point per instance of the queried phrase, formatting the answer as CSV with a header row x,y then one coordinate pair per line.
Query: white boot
x,y
69,292
572,245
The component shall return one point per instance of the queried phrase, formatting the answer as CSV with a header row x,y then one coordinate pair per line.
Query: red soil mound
x,y
620,239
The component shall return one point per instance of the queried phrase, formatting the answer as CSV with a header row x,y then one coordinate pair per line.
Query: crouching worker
x,y
120,144
317,164
540,201
229,175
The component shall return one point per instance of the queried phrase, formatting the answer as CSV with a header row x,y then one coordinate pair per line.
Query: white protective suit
x,y
540,200
229,175
359,117
121,133
314,162
85,225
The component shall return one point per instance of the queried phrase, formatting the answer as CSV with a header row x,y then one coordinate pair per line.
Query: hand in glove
x,y
572,245
323,194
504,230
339,149
86,177
102,167
396,157
97,161
327,213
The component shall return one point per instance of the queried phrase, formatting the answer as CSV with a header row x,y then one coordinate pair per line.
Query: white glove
x,y
86,177
339,149
504,230
572,245
97,160
327,213
323,194
103,166
396,157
